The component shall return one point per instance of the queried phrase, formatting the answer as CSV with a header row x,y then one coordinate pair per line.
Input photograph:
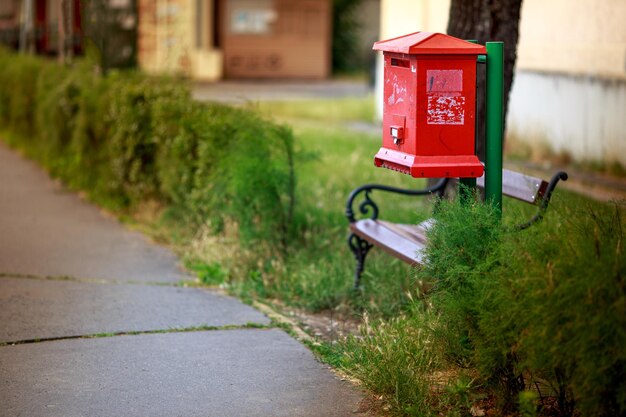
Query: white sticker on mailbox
x,y
446,105
446,110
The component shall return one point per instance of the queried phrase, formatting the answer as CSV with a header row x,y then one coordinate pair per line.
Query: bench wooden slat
x,y
415,232
401,246
519,186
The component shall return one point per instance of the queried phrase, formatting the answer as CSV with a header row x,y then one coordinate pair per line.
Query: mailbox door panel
x,y
446,109
399,103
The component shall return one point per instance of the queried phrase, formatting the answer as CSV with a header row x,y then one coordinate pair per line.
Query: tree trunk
x,y
484,21
61,31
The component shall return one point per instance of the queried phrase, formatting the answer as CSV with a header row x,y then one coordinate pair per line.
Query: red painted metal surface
x,y
430,43
429,109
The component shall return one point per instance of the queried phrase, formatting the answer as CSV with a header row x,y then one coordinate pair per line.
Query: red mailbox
x,y
429,110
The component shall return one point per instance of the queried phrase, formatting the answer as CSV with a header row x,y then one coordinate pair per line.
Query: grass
x,y
322,110
393,359
532,296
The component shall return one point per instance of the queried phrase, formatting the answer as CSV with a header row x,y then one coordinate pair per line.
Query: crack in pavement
x,y
84,308
246,326
181,283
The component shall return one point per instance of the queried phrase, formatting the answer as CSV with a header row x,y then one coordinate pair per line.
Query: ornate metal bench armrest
x,y
545,200
368,204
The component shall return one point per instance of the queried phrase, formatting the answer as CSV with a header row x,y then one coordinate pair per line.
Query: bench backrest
x,y
520,186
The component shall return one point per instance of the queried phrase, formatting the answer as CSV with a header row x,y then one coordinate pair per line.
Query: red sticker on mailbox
x,y
446,105
445,81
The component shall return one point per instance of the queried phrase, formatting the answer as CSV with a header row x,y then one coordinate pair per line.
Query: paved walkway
x,y
93,323
269,90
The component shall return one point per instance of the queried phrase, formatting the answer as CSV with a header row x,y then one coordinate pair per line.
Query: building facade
x,y
569,90
214,39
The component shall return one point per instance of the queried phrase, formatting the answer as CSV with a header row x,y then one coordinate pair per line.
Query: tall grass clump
x,y
419,360
396,358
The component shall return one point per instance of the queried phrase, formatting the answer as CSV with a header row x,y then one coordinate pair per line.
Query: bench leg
x,y
359,248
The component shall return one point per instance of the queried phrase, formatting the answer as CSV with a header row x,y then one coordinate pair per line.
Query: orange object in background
x,y
429,109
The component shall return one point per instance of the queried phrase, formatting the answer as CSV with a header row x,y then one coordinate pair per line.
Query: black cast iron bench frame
x,y
405,241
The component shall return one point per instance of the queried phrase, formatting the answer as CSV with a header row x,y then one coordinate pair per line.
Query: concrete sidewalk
x,y
94,323
238,92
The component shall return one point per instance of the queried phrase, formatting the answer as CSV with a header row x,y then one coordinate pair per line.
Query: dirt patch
x,y
325,326
328,326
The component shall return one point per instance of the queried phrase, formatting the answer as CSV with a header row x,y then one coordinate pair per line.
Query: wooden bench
x,y
407,241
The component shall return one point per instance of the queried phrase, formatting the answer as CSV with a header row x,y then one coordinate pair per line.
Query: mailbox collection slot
x,y
403,63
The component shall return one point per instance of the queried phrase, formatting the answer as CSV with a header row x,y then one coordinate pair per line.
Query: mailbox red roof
x,y
429,43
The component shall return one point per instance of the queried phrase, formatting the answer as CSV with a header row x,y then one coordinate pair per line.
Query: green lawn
x,y
322,110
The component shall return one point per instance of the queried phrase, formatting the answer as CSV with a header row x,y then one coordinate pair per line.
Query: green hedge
x,y
128,137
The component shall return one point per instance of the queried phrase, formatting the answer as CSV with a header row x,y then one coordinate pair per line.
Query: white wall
x,y
577,37
582,115
570,85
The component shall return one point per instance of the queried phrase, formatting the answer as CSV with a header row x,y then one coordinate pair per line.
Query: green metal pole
x,y
494,124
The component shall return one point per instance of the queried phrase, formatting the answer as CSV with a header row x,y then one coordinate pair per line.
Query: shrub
x,y
57,99
462,248
18,76
572,309
543,307
128,137
88,146
229,163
